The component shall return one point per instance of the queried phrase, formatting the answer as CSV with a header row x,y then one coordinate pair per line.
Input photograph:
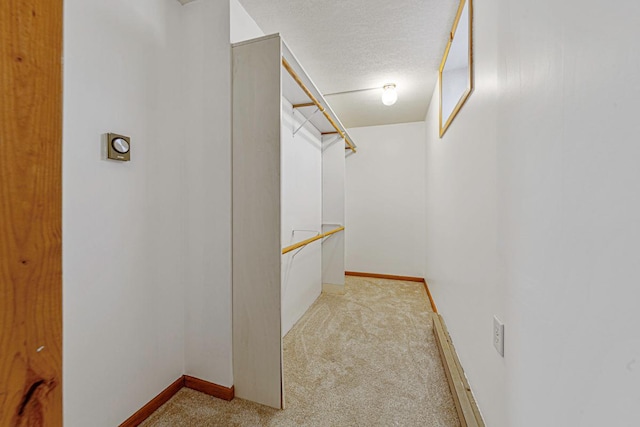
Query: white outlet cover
x,y
498,335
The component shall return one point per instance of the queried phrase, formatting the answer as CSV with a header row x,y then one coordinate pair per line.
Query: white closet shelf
x,y
302,93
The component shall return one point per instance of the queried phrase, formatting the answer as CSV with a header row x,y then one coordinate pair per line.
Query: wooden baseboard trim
x,y
433,303
211,389
384,276
187,381
467,408
148,409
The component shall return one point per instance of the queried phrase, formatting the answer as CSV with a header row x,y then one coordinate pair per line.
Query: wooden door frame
x,y
31,212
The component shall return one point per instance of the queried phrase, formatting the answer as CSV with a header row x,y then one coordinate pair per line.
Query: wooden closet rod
x,y
313,99
313,239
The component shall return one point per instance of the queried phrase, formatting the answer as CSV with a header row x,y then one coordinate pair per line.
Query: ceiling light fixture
x,y
389,96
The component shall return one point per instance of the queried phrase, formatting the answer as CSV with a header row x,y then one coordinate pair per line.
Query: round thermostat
x,y
120,145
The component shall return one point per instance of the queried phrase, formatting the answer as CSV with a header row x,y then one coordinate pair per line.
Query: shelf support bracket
x,y
305,122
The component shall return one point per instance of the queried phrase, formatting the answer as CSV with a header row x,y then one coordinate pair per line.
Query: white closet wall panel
x,y
257,344
333,202
278,208
301,206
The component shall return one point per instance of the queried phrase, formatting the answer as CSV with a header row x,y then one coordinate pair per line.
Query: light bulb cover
x,y
389,96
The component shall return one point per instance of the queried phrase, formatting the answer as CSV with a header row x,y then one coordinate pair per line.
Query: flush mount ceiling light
x,y
389,95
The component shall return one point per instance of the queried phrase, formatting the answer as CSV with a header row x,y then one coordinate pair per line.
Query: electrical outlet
x,y
498,335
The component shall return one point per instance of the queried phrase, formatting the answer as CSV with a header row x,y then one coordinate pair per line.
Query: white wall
x,y
243,27
533,215
146,243
461,213
123,242
385,200
301,210
207,191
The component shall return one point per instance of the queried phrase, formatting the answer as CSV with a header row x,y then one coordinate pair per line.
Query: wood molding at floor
x,y
148,409
433,303
384,276
187,381
392,277
467,408
215,390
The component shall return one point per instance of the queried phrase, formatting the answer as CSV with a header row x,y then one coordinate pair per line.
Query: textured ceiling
x,y
348,45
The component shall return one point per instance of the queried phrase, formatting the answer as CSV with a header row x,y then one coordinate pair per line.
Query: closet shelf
x,y
298,91
311,240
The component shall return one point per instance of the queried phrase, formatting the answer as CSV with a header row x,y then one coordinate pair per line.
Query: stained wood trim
x,y
155,403
384,276
187,381
444,127
31,213
431,300
472,400
215,390
466,406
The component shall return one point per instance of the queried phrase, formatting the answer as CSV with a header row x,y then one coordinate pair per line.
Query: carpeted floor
x,y
366,358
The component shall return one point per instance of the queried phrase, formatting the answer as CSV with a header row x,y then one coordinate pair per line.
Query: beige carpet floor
x,y
365,358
